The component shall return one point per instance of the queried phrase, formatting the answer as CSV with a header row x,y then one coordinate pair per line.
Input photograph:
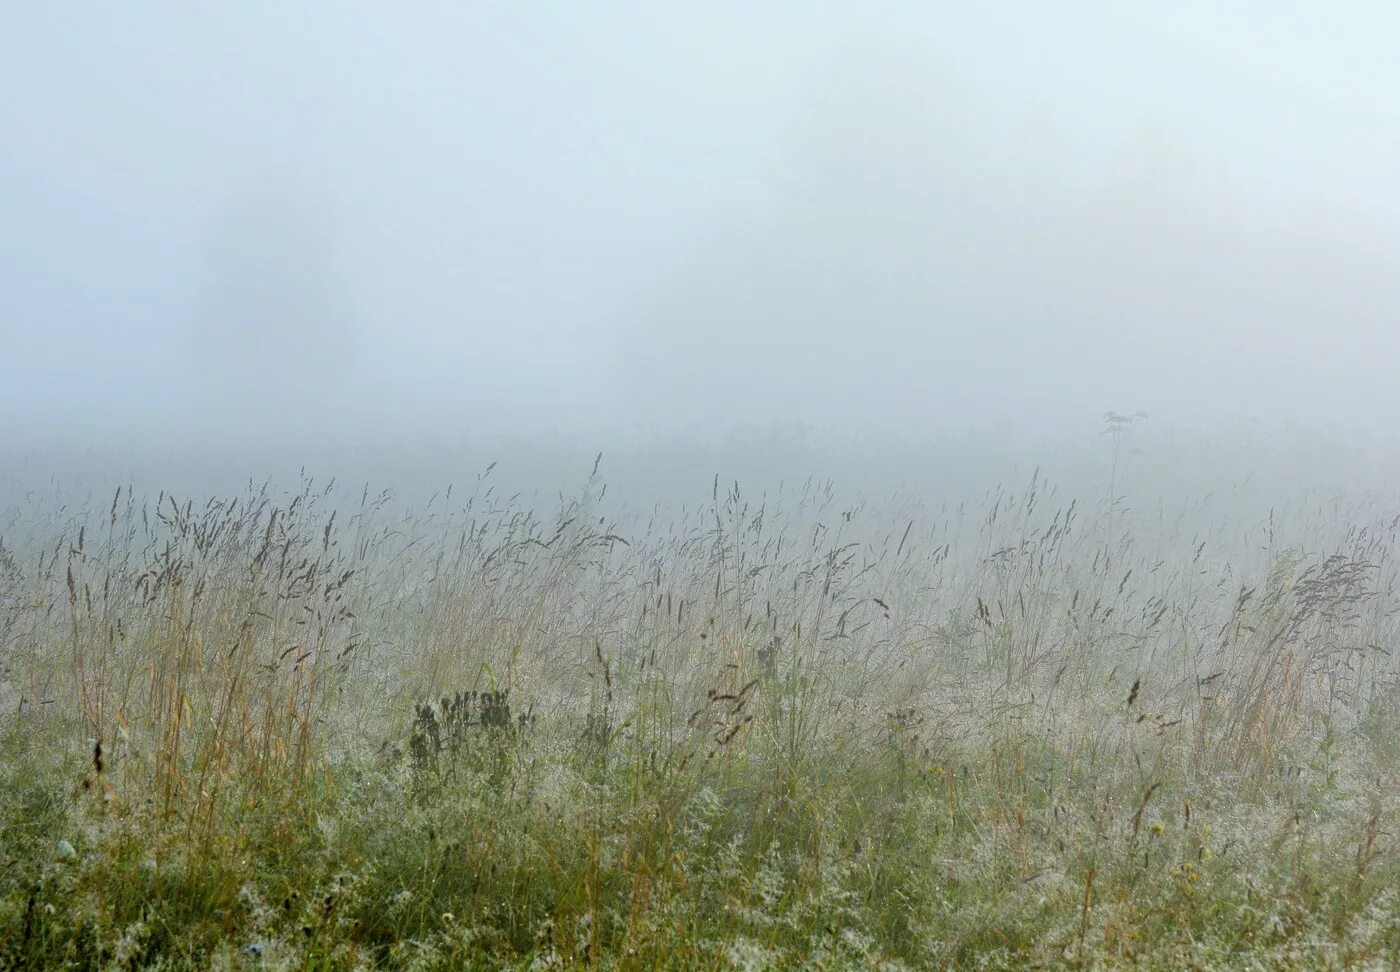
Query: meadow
x,y
295,729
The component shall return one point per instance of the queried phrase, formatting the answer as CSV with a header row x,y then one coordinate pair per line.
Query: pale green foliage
x,y
772,734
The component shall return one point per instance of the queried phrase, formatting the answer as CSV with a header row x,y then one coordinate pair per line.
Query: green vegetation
x,y
768,734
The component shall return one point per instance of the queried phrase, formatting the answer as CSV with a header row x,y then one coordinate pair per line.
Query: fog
x,y
697,236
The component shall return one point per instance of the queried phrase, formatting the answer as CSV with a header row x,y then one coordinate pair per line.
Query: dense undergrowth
x,y
257,733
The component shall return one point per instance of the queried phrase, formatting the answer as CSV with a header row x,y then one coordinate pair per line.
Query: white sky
x,y
613,219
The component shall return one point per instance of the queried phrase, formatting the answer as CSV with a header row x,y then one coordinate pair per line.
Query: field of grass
x,y
291,731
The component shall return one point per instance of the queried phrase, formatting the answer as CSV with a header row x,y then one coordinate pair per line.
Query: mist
x,y
775,485
239,230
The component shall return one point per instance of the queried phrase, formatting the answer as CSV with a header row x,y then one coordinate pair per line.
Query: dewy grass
x,y
285,731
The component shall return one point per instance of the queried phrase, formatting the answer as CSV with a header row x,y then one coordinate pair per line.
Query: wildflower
x,y
1189,876
1158,829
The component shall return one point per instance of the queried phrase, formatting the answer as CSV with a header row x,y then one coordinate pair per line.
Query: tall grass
x,y
296,730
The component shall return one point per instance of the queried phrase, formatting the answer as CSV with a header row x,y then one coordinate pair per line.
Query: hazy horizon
x,y
699,486
292,224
